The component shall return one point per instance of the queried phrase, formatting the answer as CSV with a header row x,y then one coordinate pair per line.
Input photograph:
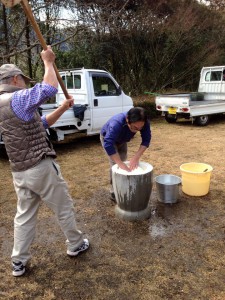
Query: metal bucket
x,y
133,192
167,187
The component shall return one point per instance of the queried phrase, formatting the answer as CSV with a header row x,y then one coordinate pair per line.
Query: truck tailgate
x,y
173,100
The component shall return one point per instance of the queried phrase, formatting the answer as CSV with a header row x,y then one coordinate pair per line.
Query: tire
x,y
171,118
202,120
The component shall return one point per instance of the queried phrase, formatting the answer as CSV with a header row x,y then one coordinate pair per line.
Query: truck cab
x,y
212,82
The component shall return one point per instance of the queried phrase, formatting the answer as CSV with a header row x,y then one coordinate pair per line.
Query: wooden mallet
x,y
30,16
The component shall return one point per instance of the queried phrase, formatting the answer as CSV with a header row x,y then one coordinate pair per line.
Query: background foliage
x,y
147,45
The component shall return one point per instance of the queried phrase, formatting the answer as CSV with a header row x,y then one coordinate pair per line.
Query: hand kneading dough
x,y
136,171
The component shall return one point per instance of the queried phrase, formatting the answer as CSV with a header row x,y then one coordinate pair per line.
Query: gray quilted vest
x,y
26,142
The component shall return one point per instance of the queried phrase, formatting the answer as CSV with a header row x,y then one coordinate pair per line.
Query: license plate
x,y
172,110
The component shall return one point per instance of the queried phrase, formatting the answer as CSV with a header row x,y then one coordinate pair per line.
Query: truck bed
x,y
206,107
186,105
206,102
192,99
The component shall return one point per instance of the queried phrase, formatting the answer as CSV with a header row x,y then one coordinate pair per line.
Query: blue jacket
x,y
116,131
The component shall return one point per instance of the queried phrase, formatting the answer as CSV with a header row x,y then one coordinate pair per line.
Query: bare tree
x,y
146,44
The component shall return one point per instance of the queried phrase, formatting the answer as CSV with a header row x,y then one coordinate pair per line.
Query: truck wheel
x,y
170,118
202,120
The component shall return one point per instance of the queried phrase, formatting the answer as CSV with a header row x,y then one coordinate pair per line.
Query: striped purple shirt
x,y
25,102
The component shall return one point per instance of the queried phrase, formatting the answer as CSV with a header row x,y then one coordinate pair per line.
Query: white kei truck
x,y
198,106
97,97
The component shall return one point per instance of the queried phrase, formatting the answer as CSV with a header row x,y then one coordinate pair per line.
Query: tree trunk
x,y
6,33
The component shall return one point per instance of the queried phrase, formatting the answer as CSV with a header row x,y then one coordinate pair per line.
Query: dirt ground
x,y
178,253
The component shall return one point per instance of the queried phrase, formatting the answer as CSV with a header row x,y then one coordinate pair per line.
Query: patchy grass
x,y
176,254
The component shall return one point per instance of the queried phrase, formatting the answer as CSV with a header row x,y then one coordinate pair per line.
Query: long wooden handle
x,y
29,14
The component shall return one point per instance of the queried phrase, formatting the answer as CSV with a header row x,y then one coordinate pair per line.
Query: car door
x,y
107,98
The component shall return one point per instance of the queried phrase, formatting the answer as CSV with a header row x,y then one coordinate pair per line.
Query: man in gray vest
x,y
36,175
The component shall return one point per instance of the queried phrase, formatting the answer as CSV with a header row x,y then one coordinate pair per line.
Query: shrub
x,y
147,103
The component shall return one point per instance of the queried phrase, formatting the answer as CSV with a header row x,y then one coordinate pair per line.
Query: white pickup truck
x,y
199,106
97,97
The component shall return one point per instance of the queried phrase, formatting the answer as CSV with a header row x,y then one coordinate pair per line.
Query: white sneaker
x,y
84,246
18,268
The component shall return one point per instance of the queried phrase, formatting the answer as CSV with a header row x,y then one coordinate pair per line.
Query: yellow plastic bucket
x,y
195,178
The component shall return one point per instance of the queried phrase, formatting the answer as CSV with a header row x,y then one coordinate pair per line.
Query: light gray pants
x,y
121,149
42,182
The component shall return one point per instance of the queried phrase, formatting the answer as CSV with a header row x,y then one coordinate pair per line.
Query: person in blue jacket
x,y
119,130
